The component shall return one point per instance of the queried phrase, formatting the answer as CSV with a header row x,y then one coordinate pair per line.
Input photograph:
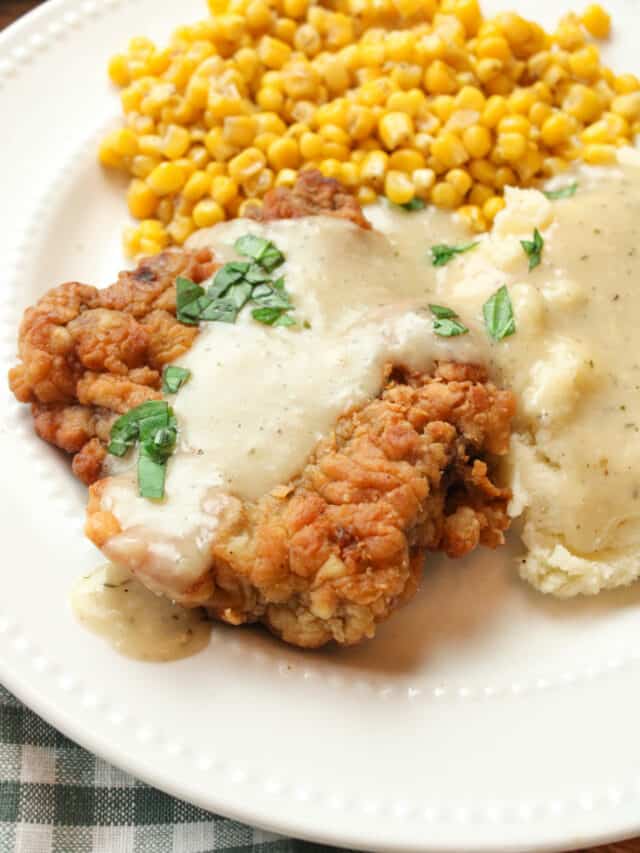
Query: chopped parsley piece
x,y
414,204
533,249
498,315
151,475
264,252
446,322
153,426
173,378
442,254
188,299
237,283
562,192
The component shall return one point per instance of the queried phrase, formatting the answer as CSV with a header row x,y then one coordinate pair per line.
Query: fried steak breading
x,y
333,553
89,354
313,194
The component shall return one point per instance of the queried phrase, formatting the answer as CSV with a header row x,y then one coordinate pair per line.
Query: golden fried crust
x,y
83,350
311,195
329,556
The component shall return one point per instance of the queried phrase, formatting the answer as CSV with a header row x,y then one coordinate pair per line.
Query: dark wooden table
x,y
12,9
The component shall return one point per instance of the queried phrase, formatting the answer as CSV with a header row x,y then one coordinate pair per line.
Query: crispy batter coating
x,y
311,195
84,350
333,553
329,555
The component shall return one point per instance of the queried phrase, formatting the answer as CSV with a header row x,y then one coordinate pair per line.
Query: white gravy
x,y
260,398
138,623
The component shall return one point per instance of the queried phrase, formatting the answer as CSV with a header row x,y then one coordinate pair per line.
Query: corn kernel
x,y
599,154
176,142
514,124
597,21
207,213
423,180
470,98
492,207
197,186
539,113
374,167
239,131
625,83
449,150
395,130
273,52
263,141
223,189
556,129
284,154
166,178
119,70
460,180
258,16
494,47
180,229
398,187
477,140
269,98
164,210
480,194
286,178
627,106
495,109
472,216
366,195
141,199
582,103
440,79
444,195
406,160
483,171
246,164
249,205
504,177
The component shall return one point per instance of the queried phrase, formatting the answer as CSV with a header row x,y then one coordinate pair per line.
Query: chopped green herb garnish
x,y
441,312
153,426
264,252
414,204
533,249
272,316
237,283
126,429
442,254
173,378
446,322
562,192
188,294
151,475
498,315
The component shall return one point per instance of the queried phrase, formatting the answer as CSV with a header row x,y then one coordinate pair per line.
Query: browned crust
x,y
88,353
312,194
333,553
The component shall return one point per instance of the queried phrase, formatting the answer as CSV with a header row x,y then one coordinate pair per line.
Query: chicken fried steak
x,y
325,554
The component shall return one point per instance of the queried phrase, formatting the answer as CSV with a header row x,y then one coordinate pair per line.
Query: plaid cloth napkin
x,y
55,797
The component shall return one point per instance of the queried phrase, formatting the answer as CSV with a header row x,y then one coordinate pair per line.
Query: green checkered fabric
x,y
55,797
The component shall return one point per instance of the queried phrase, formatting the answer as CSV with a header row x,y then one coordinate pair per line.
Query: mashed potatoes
x,y
574,364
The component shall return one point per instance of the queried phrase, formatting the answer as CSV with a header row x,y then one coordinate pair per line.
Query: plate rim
x,y
51,707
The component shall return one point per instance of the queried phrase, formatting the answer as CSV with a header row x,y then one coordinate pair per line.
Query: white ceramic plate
x,y
483,716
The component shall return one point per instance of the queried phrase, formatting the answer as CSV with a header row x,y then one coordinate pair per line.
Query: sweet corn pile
x,y
407,98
